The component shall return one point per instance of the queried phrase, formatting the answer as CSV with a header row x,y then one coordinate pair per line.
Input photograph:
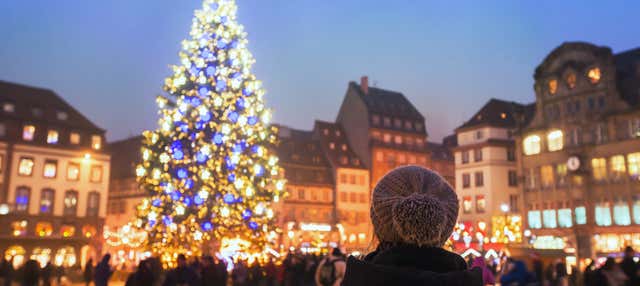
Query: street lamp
x,y
504,208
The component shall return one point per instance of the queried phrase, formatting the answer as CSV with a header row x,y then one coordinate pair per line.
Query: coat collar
x,y
432,259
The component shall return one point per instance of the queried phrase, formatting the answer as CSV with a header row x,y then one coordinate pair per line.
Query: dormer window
x,y
418,126
96,142
571,80
553,86
61,115
28,132
344,147
326,132
337,133
594,75
36,111
52,137
9,107
74,138
332,146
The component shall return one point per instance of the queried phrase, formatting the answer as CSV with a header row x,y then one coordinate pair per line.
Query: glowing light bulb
x,y
224,212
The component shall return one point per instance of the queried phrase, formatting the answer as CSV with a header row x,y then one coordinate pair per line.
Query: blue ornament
x,y
198,200
217,138
259,171
222,44
240,103
176,145
182,173
207,226
253,225
178,155
224,19
247,91
167,220
252,120
175,196
188,183
221,85
211,70
229,198
203,91
214,6
234,44
183,127
194,70
199,125
255,149
230,165
195,101
201,157
233,116
156,202
187,201
231,178
205,116
246,214
238,148
152,223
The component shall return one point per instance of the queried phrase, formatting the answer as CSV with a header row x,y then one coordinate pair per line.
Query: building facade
x,y
54,179
580,154
486,174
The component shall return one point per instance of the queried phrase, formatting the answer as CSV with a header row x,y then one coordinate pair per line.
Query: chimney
x,y
364,84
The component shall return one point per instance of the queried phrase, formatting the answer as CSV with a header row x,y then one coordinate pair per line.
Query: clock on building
x,y
573,163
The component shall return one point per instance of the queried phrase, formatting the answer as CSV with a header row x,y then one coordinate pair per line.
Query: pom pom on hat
x,y
414,205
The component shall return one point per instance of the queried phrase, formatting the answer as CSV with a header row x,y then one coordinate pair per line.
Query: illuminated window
x,y
73,172
564,218
618,168
621,214
636,210
386,121
28,132
52,137
531,145
9,107
375,119
89,231
467,204
549,219
407,125
599,168
534,219
22,198
96,142
61,115
386,137
70,203
44,229
67,230
397,139
554,140
633,162
571,80
594,75
19,228
25,167
581,215
74,138
561,174
397,123
553,86
481,204
50,169
46,201
603,214
546,174
96,174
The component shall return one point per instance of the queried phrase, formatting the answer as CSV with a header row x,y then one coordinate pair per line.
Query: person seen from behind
x,y
487,275
413,212
630,267
612,273
516,274
182,274
103,271
331,269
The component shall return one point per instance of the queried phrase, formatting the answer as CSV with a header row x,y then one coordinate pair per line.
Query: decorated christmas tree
x,y
209,167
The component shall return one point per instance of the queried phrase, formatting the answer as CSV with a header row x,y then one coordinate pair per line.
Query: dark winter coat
x,y
411,265
182,276
630,268
103,272
518,275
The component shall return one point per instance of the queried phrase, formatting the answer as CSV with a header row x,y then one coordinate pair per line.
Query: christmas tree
x,y
209,167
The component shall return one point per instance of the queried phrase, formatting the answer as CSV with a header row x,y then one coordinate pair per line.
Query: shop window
x,y
19,228
555,140
633,162
581,215
41,255
549,218
467,204
565,219
65,257
636,210
481,204
46,201
22,198
599,168
73,172
534,219
28,132
44,229
96,173
25,167
621,214
50,169
603,214
618,168
531,145
67,230
16,254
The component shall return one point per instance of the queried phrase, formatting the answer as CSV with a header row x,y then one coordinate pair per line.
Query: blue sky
x,y
110,58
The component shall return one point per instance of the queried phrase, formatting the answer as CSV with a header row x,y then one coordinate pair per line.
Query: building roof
x,y
341,155
439,152
628,75
302,157
497,113
387,102
26,98
125,155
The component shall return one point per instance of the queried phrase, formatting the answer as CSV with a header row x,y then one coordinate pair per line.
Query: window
x,y
3,130
465,157
343,147
96,174
581,215
386,137
375,119
28,132
74,138
534,219
96,142
52,137
73,172
549,218
50,169
594,75
36,111
546,174
25,167
386,121
44,229
511,155
564,218
603,214
353,197
9,107
46,201
419,143
633,162
479,135
554,140
636,210
397,139
574,137
513,178
571,80
531,178
466,181
61,115
618,168
363,198
70,203
407,125
352,179
481,204
599,168
343,178
301,194
479,179
601,133
1,162
561,174
22,198
93,204
332,145
418,126
67,230
343,197
531,145
397,123
621,215
552,85
466,204
477,155
19,228
513,203
634,128
379,156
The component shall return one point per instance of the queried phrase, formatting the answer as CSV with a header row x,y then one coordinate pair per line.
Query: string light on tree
x,y
209,168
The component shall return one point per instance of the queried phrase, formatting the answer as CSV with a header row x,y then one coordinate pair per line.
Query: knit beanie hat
x,y
413,205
